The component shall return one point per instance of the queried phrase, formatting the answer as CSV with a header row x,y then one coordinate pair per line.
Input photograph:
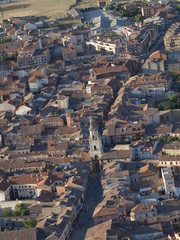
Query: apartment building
x,y
151,84
32,54
172,38
142,212
149,11
172,148
170,161
168,180
69,54
29,185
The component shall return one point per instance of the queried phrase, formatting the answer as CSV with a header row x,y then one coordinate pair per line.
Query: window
x,y
95,147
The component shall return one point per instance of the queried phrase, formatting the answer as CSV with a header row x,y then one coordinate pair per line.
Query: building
x,y
150,10
29,185
119,48
144,150
101,3
171,148
124,133
32,54
30,26
119,72
155,63
28,234
151,84
69,54
142,212
105,213
52,122
95,144
62,102
168,180
172,38
36,82
170,161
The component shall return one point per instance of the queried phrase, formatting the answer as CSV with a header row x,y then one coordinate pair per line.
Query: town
x,y
90,123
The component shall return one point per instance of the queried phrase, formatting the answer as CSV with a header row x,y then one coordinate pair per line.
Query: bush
x,y
7,212
30,223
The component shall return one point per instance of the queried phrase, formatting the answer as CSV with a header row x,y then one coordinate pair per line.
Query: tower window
x,y
94,147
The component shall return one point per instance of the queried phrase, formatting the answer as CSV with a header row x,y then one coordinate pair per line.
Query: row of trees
x,y
168,139
19,210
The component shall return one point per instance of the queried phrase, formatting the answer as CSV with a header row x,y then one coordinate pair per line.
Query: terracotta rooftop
x,y
148,170
24,234
142,208
98,232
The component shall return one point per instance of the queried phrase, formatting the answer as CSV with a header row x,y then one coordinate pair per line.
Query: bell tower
x,y
95,143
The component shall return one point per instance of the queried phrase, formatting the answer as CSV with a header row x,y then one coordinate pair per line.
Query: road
x,y
85,220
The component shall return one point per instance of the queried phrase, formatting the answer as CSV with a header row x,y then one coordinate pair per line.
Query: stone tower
x,y
95,143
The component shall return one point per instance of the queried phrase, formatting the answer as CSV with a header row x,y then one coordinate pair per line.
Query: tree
x,y
178,7
7,212
20,210
162,139
139,17
172,100
169,139
111,6
4,40
30,223
175,76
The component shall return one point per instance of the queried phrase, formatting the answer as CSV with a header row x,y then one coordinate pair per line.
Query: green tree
x,y
178,7
139,17
162,139
7,212
4,40
163,107
172,101
111,6
30,223
20,210
175,76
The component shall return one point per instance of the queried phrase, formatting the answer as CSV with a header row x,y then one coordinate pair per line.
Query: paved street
x,y
85,221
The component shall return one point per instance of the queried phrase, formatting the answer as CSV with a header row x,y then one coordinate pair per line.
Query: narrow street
x,y
85,220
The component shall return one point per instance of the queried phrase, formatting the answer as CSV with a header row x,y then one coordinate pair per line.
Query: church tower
x,y
95,143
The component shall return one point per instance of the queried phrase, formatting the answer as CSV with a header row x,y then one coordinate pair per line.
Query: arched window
x,y
94,147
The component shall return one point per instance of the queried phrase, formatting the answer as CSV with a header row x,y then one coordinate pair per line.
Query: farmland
x,y
48,8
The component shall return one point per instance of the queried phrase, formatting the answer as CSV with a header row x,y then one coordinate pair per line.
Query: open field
x,y
49,8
